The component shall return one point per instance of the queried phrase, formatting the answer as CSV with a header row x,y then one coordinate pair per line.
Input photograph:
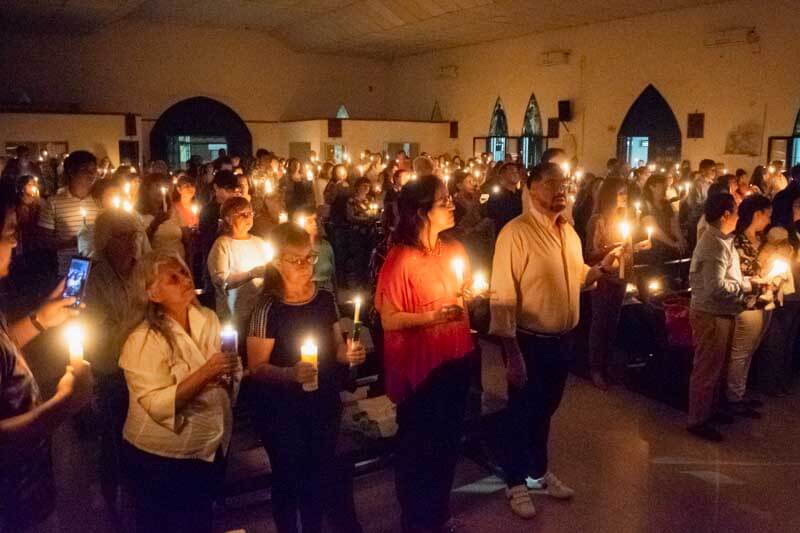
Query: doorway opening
x,y
498,132
649,132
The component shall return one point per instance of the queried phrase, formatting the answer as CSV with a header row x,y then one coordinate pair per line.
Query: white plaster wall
x,y
99,134
611,64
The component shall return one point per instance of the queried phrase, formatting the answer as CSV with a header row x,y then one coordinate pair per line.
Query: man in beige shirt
x,y
537,276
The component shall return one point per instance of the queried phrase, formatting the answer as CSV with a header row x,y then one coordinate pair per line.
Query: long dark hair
x,y
652,181
782,213
748,209
607,195
417,199
286,234
757,178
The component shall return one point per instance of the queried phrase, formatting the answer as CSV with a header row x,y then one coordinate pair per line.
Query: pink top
x,y
185,216
415,282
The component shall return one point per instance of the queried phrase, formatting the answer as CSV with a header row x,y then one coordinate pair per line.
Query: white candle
x,y
269,252
310,175
357,312
74,335
638,206
83,214
229,338
127,206
116,202
479,283
127,188
283,217
301,221
195,209
458,269
625,231
649,233
309,354
779,269
268,187
164,198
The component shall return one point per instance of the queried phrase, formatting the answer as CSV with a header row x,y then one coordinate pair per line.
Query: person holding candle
x,y
299,423
696,198
426,344
26,420
61,218
506,203
537,277
658,214
719,293
325,267
181,388
236,264
224,185
161,227
749,325
29,208
603,235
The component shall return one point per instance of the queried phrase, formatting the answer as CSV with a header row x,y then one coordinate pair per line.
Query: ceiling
x,y
373,28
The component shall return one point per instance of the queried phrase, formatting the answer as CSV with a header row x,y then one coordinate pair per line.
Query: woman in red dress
x,y
427,338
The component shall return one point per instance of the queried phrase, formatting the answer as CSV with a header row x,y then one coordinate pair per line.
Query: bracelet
x,y
38,325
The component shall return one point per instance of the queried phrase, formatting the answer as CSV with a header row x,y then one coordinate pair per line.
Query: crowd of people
x,y
273,251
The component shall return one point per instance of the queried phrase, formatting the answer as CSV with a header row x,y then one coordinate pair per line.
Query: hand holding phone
x,y
77,276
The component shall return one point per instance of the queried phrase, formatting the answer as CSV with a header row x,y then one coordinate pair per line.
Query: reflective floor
x,y
634,468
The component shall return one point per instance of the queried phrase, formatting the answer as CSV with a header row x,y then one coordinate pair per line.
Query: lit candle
x,y
229,339
83,214
779,269
127,188
164,199
625,231
638,207
654,286
269,252
458,269
74,335
663,170
360,170
480,284
649,233
357,318
301,221
175,180
565,167
651,167
724,171
116,202
413,176
496,189
310,175
579,174
677,166
283,217
127,206
195,209
268,187
309,354
771,169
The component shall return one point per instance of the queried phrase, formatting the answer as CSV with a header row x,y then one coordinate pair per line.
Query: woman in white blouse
x,y
180,410
236,264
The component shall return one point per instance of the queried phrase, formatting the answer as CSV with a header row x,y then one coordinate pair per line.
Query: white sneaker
x,y
520,501
549,485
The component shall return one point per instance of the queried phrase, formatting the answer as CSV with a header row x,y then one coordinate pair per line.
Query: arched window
x,y
649,132
342,112
498,132
532,135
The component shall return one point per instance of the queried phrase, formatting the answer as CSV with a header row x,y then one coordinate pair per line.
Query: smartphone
x,y
77,276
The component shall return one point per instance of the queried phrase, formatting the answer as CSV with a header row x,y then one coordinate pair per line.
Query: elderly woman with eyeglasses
x,y
297,407
236,264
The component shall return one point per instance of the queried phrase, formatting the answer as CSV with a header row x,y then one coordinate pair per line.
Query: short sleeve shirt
x,y
26,475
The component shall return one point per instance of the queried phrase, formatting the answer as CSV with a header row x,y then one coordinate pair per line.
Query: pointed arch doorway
x,y
532,141
198,126
498,132
649,132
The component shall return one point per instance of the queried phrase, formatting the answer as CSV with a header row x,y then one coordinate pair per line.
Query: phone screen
x,y
76,279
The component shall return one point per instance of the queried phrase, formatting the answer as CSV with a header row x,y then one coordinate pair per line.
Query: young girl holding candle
x,y
426,342
297,406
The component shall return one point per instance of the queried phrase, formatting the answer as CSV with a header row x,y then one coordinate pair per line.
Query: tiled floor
x,y
634,469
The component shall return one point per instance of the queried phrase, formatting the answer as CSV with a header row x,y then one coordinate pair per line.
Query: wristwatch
x,y
38,325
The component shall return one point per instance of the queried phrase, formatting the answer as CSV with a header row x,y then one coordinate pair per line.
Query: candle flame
x,y
779,268
269,252
283,217
625,229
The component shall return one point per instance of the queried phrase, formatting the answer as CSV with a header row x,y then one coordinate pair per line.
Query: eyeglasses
x,y
556,185
244,214
302,261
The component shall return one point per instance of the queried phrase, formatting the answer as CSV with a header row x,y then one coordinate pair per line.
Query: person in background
x,y
537,276
21,165
325,267
427,342
361,218
393,188
62,216
158,217
336,194
114,307
719,293
657,213
299,191
585,202
505,198
180,415
225,186
757,178
299,427
696,199
184,204
603,236
775,180
749,325
236,264
744,187
476,232
29,208
27,421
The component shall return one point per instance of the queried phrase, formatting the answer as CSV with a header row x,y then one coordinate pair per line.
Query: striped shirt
x,y
62,214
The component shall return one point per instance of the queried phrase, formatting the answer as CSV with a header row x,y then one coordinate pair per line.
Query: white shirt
x,y
229,256
169,235
153,372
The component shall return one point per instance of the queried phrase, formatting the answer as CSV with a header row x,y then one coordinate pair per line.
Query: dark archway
x,y
199,117
649,129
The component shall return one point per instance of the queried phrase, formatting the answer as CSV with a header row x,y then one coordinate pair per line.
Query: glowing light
x,y
269,252
74,335
309,354
458,269
625,229
779,268
654,285
480,284
116,202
